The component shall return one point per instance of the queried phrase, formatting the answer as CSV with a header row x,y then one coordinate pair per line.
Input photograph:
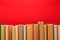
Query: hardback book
x,y
16,32
55,32
24,32
30,32
41,30
2,32
13,33
35,31
45,32
58,32
9,32
20,31
50,31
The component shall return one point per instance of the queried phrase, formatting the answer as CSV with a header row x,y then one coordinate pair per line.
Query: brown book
x,y
9,32
30,31
58,32
2,32
41,30
45,32
20,32
35,31
50,31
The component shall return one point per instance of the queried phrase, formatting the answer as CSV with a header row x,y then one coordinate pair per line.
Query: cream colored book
x,y
24,32
2,32
29,31
16,32
20,32
50,31
55,32
58,32
41,30
6,32
13,33
45,32
36,32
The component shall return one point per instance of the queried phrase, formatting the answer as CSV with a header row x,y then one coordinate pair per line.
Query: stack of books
x,y
39,31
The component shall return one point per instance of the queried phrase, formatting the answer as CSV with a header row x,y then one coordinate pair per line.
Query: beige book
x,y
55,32
13,33
41,30
16,32
29,31
24,32
58,32
20,32
50,31
2,32
45,32
6,32
36,32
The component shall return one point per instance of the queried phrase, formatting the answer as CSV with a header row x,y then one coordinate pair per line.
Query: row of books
x,y
39,31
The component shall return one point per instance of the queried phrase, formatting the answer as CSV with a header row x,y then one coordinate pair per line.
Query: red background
x,y
29,11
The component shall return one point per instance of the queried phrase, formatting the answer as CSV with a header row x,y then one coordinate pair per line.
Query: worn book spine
x,y
41,30
30,31
50,32
35,31
55,32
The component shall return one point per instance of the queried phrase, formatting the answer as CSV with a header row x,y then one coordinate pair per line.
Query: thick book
x,y
45,32
35,31
2,32
20,32
55,32
50,31
30,32
41,30
58,32
9,32
24,32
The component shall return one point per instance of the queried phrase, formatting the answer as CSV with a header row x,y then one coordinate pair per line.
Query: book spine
x,y
35,31
58,32
41,30
45,32
20,32
55,32
16,32
2,32
50,31
29,31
